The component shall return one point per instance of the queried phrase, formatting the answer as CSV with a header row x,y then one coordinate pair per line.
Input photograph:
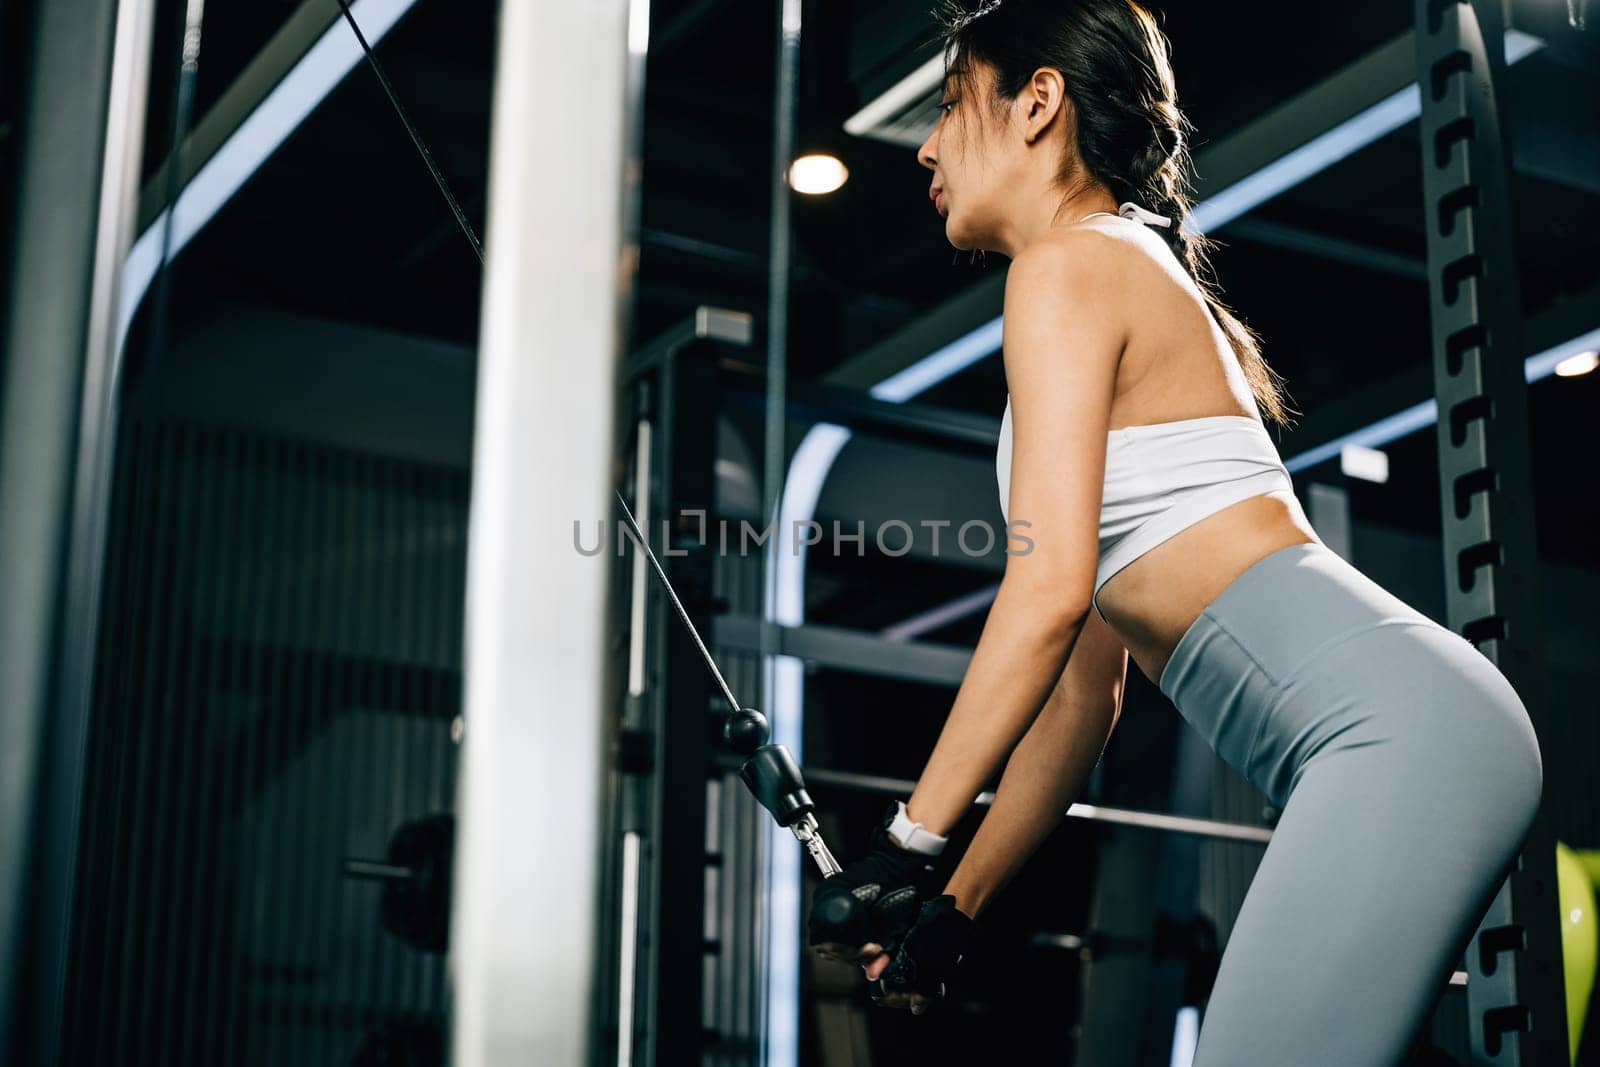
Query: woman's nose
x,y
925,153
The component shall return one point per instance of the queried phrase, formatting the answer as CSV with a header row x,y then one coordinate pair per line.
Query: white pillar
x,y
524,923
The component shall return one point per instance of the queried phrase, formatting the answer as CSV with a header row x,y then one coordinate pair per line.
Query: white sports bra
x,y
1164,477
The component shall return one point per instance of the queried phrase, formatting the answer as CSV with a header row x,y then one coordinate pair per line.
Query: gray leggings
x,y
1407,773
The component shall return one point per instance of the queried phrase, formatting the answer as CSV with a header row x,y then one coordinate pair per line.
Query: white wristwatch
x,y
911,836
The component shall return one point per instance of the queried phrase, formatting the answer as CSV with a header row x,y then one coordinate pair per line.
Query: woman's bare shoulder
x,y
1127,254
1118,267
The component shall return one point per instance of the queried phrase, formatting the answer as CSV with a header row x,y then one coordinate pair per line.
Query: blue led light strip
x,y
306,85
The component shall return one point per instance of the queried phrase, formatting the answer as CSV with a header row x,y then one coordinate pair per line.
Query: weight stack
x,y
276,690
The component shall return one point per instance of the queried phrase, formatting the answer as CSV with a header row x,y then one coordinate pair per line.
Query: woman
x,y
1405,766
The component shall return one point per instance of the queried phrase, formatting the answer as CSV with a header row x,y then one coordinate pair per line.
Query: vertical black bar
x,y
652,968
437,521
241,847
282,998
343,724
431,725
418,718
102,882
384,721
368,810
361,900
1514,988
686,728
307,731
394,721
775,455
146,737
649,967
348,905
214,888
164,721
211,741
260,1019
315,722
188,712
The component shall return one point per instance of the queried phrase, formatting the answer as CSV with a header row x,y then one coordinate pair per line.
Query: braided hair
x,y
1131,135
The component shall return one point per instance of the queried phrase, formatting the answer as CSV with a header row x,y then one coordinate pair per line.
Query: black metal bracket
x,y
1514,992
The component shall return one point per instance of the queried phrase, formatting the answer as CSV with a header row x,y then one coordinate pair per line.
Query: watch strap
x,y
911,836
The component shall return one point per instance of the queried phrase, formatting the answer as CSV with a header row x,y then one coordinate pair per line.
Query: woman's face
x,y
969,157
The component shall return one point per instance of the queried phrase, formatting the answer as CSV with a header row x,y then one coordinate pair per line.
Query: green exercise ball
x,y
1580,934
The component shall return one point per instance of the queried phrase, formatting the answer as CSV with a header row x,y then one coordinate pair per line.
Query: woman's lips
x,y
938,203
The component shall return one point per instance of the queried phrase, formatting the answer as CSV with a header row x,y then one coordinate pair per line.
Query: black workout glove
x,y
874,900
928,956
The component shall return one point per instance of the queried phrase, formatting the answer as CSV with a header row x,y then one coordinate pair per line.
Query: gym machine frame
x,y
662,760
1514,995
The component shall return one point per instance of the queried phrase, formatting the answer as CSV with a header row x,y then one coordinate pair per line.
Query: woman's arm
x,y
1047,770
1018,659
1063,340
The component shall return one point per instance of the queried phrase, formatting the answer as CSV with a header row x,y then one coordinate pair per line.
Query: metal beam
x,y
1225,165
957,317
923,424
851,650
1326,246
294,73
1146,820
1400,404
287,47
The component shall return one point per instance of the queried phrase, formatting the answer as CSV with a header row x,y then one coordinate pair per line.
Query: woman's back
x,y
1178,363
1178,366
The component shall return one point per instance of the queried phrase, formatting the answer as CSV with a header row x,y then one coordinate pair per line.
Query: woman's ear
x,y
1043,98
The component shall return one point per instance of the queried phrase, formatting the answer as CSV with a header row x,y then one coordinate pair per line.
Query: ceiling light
x,y
817,174
1582,363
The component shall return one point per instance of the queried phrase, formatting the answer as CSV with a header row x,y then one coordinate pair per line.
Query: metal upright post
x,y
775,444
538,676
1514,990
82,133
654,936
779,937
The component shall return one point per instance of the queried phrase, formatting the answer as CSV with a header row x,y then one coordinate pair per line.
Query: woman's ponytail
x,y
1131,134
1159,182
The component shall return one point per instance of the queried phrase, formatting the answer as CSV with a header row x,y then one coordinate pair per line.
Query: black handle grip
x,y
839,918
775,779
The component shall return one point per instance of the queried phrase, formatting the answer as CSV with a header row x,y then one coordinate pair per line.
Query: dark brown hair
x,y
1117,68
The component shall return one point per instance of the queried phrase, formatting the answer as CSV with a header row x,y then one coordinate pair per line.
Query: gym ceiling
x,y
344,223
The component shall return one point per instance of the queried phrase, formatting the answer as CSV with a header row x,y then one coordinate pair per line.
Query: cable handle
x,y
769,771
